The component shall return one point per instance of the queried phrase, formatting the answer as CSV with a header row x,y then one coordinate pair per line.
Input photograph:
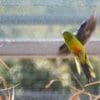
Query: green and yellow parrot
x,y
77,48
83,33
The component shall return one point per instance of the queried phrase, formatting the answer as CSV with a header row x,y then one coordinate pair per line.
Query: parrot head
x,y
67,36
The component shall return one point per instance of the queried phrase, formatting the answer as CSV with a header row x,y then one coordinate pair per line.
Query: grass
x,y
6,91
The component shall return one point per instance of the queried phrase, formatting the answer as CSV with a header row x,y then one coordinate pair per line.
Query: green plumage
x,y
76,48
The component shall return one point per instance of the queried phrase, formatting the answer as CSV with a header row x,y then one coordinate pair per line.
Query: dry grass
x,y
4,64
78,92
11,92
4,81
7,95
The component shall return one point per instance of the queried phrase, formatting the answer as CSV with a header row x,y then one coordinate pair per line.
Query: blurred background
x,y
39,19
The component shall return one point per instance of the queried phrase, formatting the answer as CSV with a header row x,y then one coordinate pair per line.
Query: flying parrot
x,y
83,33
78,50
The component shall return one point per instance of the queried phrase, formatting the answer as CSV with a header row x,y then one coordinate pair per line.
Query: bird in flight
x,y
83,33
74,44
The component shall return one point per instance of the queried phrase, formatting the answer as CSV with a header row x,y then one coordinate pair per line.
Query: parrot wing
x,y
86,29
83,33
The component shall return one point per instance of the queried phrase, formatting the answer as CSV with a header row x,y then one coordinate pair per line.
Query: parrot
x,y
77,49
83,33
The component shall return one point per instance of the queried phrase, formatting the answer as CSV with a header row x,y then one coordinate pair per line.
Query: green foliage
x,y
30,77
35,75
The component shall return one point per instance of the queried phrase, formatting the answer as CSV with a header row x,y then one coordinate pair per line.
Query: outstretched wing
x,y
83,33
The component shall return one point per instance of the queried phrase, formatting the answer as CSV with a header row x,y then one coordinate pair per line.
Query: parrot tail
x,y
89,72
